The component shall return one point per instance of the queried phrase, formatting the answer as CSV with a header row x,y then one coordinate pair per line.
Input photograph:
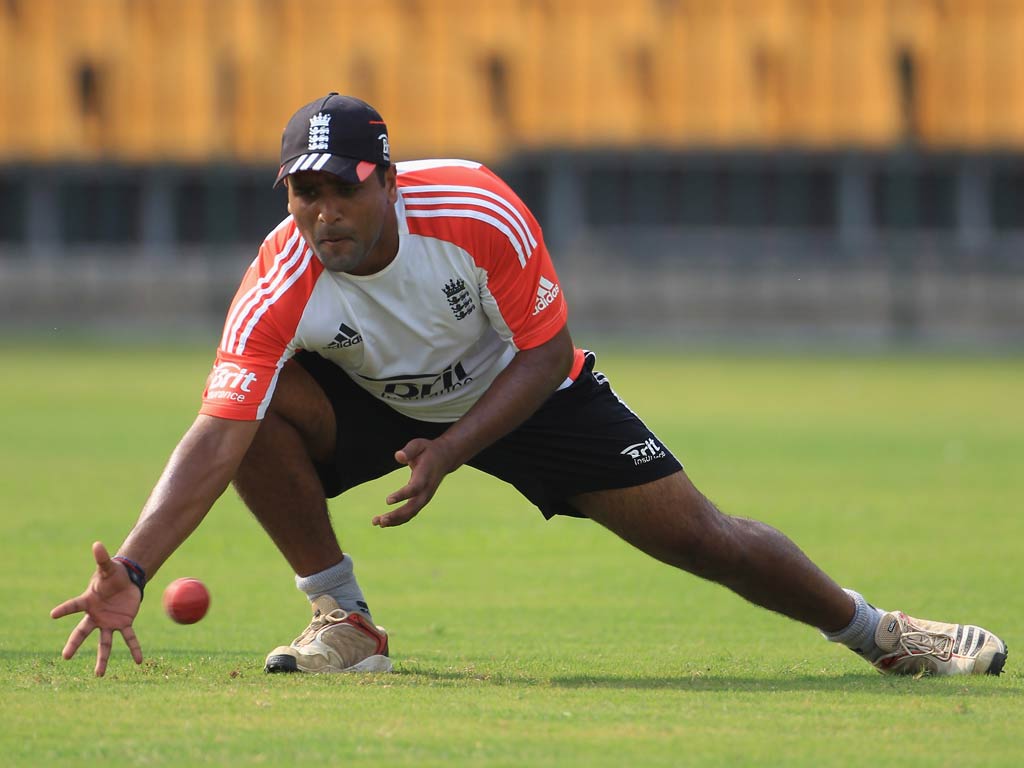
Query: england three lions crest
x,y
459,300
319,131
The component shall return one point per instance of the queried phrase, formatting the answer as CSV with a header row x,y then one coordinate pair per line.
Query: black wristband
x,y
135,573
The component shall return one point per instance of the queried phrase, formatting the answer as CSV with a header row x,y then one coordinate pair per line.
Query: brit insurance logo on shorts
x,y
641,453
230,382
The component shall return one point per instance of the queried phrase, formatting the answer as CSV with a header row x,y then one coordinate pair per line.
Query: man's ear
x,y
391,183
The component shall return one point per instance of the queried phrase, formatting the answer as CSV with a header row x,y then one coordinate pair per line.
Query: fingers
x,y
101,556
133,644
77,637
85,628
415,456
417,483
427,473
74,605
390,519
96,605
399,516
411,451
103,651
407,491
418,491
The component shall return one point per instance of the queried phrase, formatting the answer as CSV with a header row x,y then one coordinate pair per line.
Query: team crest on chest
x,y
459,300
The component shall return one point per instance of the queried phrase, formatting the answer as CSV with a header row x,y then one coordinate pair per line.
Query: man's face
x,y
350,227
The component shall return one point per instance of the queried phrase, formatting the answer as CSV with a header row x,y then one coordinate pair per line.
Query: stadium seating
x,y
195,80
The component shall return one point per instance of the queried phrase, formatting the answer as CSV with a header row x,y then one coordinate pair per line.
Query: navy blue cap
x,y
342,135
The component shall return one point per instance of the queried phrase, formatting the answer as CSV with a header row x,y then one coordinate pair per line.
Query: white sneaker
x,y
334,641
917,647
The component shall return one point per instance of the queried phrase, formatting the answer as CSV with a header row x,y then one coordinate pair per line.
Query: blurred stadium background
x,y
843,172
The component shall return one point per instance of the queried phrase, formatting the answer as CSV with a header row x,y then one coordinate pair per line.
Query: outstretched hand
x,y
110,602
429,461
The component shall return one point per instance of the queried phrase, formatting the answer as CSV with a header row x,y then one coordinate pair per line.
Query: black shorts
x,y
582,439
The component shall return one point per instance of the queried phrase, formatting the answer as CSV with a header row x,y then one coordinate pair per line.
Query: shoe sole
x,y
283,662
998,661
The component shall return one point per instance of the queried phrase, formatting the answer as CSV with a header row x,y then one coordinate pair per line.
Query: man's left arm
x,y
514,395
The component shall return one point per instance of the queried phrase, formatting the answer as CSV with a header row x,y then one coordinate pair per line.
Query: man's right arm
x,y
269,302
199,470
197,473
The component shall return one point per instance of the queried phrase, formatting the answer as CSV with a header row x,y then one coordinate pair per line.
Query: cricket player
x,y
409,315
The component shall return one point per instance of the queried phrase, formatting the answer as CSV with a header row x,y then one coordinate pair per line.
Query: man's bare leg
x,y
279,484
277,479
672,521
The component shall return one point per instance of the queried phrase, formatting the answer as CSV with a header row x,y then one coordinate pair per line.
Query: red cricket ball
x,y
186,600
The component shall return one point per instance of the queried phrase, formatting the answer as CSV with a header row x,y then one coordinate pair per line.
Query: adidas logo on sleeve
x,y
547,292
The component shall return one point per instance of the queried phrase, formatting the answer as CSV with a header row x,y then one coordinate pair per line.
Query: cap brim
x,y
349,169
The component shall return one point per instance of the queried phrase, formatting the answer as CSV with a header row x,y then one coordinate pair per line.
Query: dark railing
x,y
851,200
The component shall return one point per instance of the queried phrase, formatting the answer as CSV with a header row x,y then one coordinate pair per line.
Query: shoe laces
x,y
321,620
917,641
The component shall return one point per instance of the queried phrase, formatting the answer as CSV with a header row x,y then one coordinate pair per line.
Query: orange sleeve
x,y
526,290
474,209
260,327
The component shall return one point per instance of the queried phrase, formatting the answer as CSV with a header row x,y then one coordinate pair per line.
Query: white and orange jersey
x,y
471,284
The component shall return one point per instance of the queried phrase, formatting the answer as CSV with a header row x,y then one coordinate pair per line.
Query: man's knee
x,y
668,519
301,405
277,457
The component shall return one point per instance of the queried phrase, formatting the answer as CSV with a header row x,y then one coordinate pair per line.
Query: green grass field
x,y
519,642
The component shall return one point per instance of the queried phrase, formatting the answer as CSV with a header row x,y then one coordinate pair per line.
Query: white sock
x,y
859,634
338,581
